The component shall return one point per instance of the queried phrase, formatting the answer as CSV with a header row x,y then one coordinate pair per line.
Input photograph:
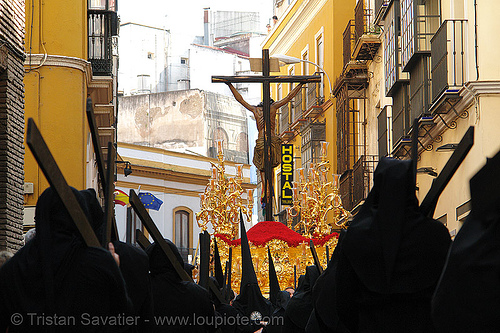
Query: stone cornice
x,y
294,27
34,61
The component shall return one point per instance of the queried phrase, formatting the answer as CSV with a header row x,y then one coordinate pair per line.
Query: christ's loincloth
x,y
258,155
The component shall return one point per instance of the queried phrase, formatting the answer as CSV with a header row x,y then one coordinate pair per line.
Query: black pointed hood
x,y
384,225
274,285
248,275
250,302
219,275
467,297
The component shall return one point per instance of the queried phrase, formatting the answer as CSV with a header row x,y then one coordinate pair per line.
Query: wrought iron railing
x,y
284,118
363,18
346,189
380,5
314,97
297,109
102,26
448,57
363,177
348,44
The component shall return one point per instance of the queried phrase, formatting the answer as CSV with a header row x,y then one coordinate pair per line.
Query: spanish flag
x,y
121,198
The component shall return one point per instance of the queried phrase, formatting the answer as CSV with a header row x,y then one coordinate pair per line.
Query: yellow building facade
x,y
310,31
69,59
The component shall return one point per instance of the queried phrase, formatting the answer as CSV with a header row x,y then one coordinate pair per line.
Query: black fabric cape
x,y
179,306
226,314
134,266
391,257
324,317
57,276
250,303
467,298
300,306
277,319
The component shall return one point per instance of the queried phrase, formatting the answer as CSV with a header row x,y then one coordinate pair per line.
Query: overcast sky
x,y
186,16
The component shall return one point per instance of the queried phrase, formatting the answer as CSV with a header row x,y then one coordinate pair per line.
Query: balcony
x,y
284,129
448,61
297,115
394,76
102,26
362,176
367,34
346,189
419,23
380,8
348,42
315,99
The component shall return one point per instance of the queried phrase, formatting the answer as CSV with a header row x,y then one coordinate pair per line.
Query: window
x,y
383,140
311,137
183,230
407,31
184,61
320,61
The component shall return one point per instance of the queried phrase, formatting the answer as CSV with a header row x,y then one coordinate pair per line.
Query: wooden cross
x,y
266,80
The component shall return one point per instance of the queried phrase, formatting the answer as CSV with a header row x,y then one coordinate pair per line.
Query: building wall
x,y
297,31
11,124
183,119
143,51
175,178
167,120
59,79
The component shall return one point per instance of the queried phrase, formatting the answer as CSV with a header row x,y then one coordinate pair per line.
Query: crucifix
x,y
265,109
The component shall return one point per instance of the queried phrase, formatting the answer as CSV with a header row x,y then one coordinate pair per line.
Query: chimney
x,y
206,36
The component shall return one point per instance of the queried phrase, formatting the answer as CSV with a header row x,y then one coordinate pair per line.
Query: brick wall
x,y
11,123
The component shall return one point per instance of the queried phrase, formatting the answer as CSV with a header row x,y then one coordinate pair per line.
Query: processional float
x,y
317,211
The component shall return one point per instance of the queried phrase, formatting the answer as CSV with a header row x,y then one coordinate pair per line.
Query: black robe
x,y
134,266
324,317
300,306
467,298
277,319
179,306
56,279
391,257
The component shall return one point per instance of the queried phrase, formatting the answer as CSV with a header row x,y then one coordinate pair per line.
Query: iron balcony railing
x,y
362,175
284,118
448,57
380,5
102,26
297,109
363,19
346,189
314,98
348,44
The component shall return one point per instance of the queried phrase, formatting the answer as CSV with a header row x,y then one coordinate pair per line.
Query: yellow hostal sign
x,y
286,174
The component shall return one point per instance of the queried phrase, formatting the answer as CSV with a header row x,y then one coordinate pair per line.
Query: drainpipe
x,y
475,39
206,35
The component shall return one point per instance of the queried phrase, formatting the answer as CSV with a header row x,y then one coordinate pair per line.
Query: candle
x,y
219,146
324,147
336,178
250,194
301,174
239,171
202,197
214,173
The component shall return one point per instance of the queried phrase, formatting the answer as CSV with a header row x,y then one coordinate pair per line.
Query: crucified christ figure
x,y
258,156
